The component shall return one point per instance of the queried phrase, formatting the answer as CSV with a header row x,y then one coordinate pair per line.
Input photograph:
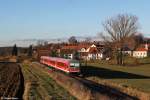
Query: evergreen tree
x,y
15,50
54,53
30,51
76,55
72,39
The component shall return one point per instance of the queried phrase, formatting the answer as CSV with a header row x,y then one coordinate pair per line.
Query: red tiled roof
x,y
143,46
141,49
70,47
83,46
93,50
67,51
76,47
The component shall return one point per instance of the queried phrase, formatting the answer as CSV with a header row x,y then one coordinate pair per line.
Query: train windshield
x,y
74,64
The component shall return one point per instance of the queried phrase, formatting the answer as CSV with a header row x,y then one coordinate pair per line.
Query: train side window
x,y
60,64
52,62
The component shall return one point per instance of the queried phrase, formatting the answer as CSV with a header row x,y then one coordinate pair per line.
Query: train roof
x,y
57,58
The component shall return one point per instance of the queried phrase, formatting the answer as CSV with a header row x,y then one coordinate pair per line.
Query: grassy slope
x,y
139,83
42,86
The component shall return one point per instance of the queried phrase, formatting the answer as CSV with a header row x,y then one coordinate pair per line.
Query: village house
x,y
48,50
142,51
90,53
86,51
43,51
127,51
68,51
82,50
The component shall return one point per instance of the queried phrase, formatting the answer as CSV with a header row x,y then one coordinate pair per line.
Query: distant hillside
x,y
27,42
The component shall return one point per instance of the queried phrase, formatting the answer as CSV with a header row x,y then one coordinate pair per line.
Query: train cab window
x,y
74,65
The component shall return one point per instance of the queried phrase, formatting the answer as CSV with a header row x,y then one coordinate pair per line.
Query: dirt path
x,y
39,86
11,81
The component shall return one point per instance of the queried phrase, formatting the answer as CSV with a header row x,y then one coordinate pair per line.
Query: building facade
x,y
83,51
141,52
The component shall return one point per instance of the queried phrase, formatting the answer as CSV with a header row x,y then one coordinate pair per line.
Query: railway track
x,y
98,90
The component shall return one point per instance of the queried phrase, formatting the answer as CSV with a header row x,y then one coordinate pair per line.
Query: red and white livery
x,y
66,65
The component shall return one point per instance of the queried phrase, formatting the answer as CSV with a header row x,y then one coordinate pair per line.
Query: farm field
x,y
11,81
128,76
39,86
33,81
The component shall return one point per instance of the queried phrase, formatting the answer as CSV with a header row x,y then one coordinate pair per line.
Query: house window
x,y
135,54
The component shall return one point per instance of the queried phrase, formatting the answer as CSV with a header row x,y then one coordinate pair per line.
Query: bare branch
x,y
121,27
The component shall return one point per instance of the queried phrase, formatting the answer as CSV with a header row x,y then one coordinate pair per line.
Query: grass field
x,y
41,86
128,76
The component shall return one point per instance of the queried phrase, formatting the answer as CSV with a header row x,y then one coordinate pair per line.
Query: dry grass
x,y
40,86
74,87
128,90
26,91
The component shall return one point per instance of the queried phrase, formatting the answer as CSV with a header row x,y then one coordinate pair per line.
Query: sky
x,y
39,19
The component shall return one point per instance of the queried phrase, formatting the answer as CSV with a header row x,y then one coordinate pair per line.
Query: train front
x,y
74,66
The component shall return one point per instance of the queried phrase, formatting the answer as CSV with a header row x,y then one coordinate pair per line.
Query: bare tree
x,y
88,39
41,42
139,39
106,39
118,30
72,39
45,43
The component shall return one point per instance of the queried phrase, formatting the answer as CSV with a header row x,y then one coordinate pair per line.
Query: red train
x,y
65,65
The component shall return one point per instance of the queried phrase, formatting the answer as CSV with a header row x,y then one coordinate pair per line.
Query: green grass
x,y
134,76
45,86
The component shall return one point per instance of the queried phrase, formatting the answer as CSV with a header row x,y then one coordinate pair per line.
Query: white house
x,y
91,53
141,52
127,50
86,51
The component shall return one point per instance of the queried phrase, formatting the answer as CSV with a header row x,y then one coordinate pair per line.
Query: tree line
x,y
15,51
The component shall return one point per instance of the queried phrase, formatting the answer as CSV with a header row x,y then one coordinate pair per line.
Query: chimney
x,y
146,46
